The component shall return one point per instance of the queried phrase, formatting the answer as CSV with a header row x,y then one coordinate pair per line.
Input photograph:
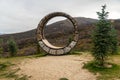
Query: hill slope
x,y
59,32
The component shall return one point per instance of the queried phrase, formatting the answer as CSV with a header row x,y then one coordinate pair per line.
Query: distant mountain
x,y
52,28
61,29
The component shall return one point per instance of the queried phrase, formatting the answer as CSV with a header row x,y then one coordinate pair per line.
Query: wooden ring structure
x,y
48,47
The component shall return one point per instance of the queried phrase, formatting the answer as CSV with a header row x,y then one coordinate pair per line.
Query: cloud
x,y
23,15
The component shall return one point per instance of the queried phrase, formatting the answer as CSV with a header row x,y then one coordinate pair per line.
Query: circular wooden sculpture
x,y
43,42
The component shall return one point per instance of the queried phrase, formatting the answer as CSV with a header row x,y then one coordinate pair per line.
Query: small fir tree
x,y
1,48
113,41
12,47
104,38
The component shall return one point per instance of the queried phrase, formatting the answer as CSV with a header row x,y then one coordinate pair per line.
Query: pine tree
x,y
12,47
104,38
113,41
1,48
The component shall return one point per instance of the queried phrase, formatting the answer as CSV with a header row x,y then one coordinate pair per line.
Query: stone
x,y
60,51
39,37
41,44
67,49
72,44
76,37
52,51
46,49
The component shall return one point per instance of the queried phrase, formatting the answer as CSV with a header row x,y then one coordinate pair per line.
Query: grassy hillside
x,y
59,33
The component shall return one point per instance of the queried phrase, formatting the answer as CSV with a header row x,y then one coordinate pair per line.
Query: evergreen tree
x,y
12,47
1,48
104,38
113,41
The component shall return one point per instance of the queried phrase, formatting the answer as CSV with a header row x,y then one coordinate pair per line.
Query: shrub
x,y
1,51
104,38
1,48
12,47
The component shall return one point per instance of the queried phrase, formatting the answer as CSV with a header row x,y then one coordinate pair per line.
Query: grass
x,y
112,73
75,52
24,77
6,64
63,79
7,73
40,54
10,74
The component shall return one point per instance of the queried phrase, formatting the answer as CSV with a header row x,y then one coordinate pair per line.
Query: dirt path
x,y
56,67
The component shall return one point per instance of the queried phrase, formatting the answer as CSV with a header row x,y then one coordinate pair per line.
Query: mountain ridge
x,y
61,30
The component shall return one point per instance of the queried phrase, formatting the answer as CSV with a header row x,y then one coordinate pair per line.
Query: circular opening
x,y
58,32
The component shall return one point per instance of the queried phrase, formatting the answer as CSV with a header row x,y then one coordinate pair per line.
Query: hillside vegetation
x,y
58,33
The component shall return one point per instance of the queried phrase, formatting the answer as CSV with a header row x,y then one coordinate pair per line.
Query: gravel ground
x,y
56,67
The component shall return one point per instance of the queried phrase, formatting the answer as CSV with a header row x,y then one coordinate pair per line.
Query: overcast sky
x,y
23,15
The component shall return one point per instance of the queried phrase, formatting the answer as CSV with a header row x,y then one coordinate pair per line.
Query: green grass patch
x,y
74,52
112,73
10,74
6,70
40,54
24,77
5,65
63,79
